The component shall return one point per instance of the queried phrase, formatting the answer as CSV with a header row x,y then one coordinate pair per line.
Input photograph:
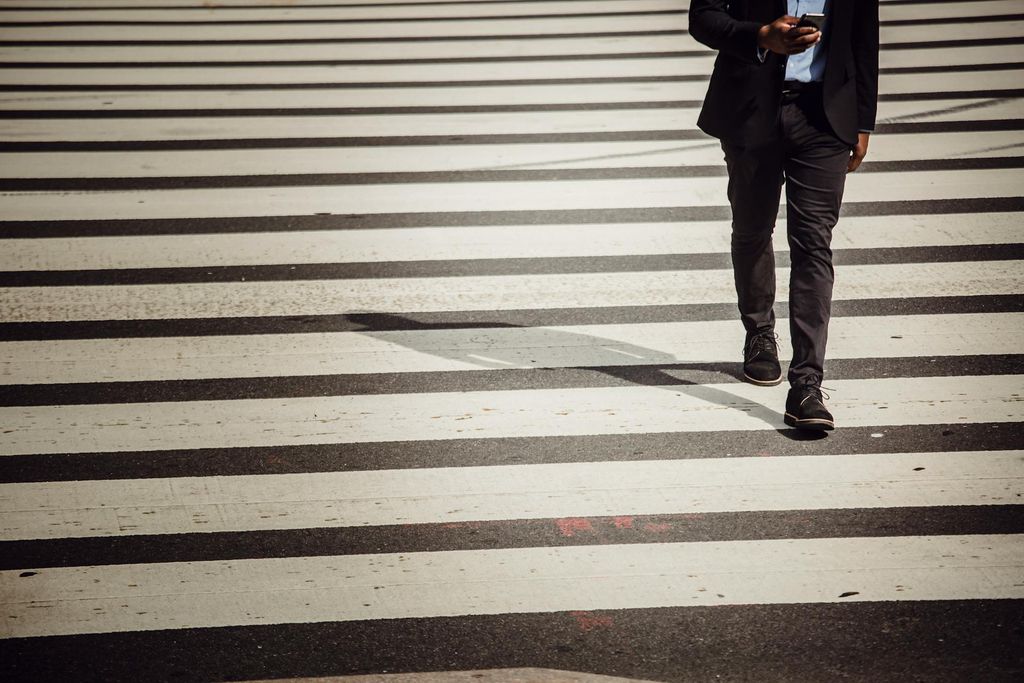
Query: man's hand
x,y
784,38
858,153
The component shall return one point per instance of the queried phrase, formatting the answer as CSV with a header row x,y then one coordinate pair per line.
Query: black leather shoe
x,y
805,409
761,360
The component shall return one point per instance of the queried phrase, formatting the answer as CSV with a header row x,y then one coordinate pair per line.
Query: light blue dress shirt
x,y
808,65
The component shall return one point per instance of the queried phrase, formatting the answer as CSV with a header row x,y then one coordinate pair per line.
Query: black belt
x,y
792,90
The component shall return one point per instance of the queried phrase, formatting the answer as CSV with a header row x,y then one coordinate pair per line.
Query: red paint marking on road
x,y
588,621
657,528
569,526
623,522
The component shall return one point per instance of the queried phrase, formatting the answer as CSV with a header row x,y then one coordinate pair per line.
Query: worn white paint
x,y
490,71
494,414
483,293
384,125
213,53
469,71
282,355
383,29
448,495
476,242
355,125
65,601
475,27
491,196
392,159
427,96
473,157
441,49
282,12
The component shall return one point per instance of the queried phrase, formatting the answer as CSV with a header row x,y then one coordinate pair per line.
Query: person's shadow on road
x,y
494,346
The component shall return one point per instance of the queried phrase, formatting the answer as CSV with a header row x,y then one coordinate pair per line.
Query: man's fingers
x,y
803,38
858,152
782,36
856,156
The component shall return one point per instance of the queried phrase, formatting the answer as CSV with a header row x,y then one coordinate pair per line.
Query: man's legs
x,y
813,162
755,185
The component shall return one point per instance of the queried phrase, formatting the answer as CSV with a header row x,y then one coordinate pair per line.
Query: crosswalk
x,y
399,336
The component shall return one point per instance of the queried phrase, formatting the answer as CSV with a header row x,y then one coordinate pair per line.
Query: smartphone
x,y
812,19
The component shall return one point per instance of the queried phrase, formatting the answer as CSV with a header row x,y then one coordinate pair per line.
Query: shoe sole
x,y
763,382
814,424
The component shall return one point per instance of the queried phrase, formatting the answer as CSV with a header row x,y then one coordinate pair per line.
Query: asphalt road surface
x,y
344,338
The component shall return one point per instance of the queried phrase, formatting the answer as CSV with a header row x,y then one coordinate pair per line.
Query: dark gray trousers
x,y
811,162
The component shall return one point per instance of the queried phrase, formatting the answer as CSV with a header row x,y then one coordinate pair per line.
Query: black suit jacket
x,y
742,104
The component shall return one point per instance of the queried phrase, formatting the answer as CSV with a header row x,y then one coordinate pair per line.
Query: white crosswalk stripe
x,y
475,242
481,28
140,13
491,293
479,157
466,494
466,197
492,415
203,595
414,319
446,96
211,54
383,125
329,353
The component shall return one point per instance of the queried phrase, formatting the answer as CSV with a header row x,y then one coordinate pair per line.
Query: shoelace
x,y
816,390
766,341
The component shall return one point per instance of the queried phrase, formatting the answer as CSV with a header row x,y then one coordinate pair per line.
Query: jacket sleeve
x,y
712,25
865,56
